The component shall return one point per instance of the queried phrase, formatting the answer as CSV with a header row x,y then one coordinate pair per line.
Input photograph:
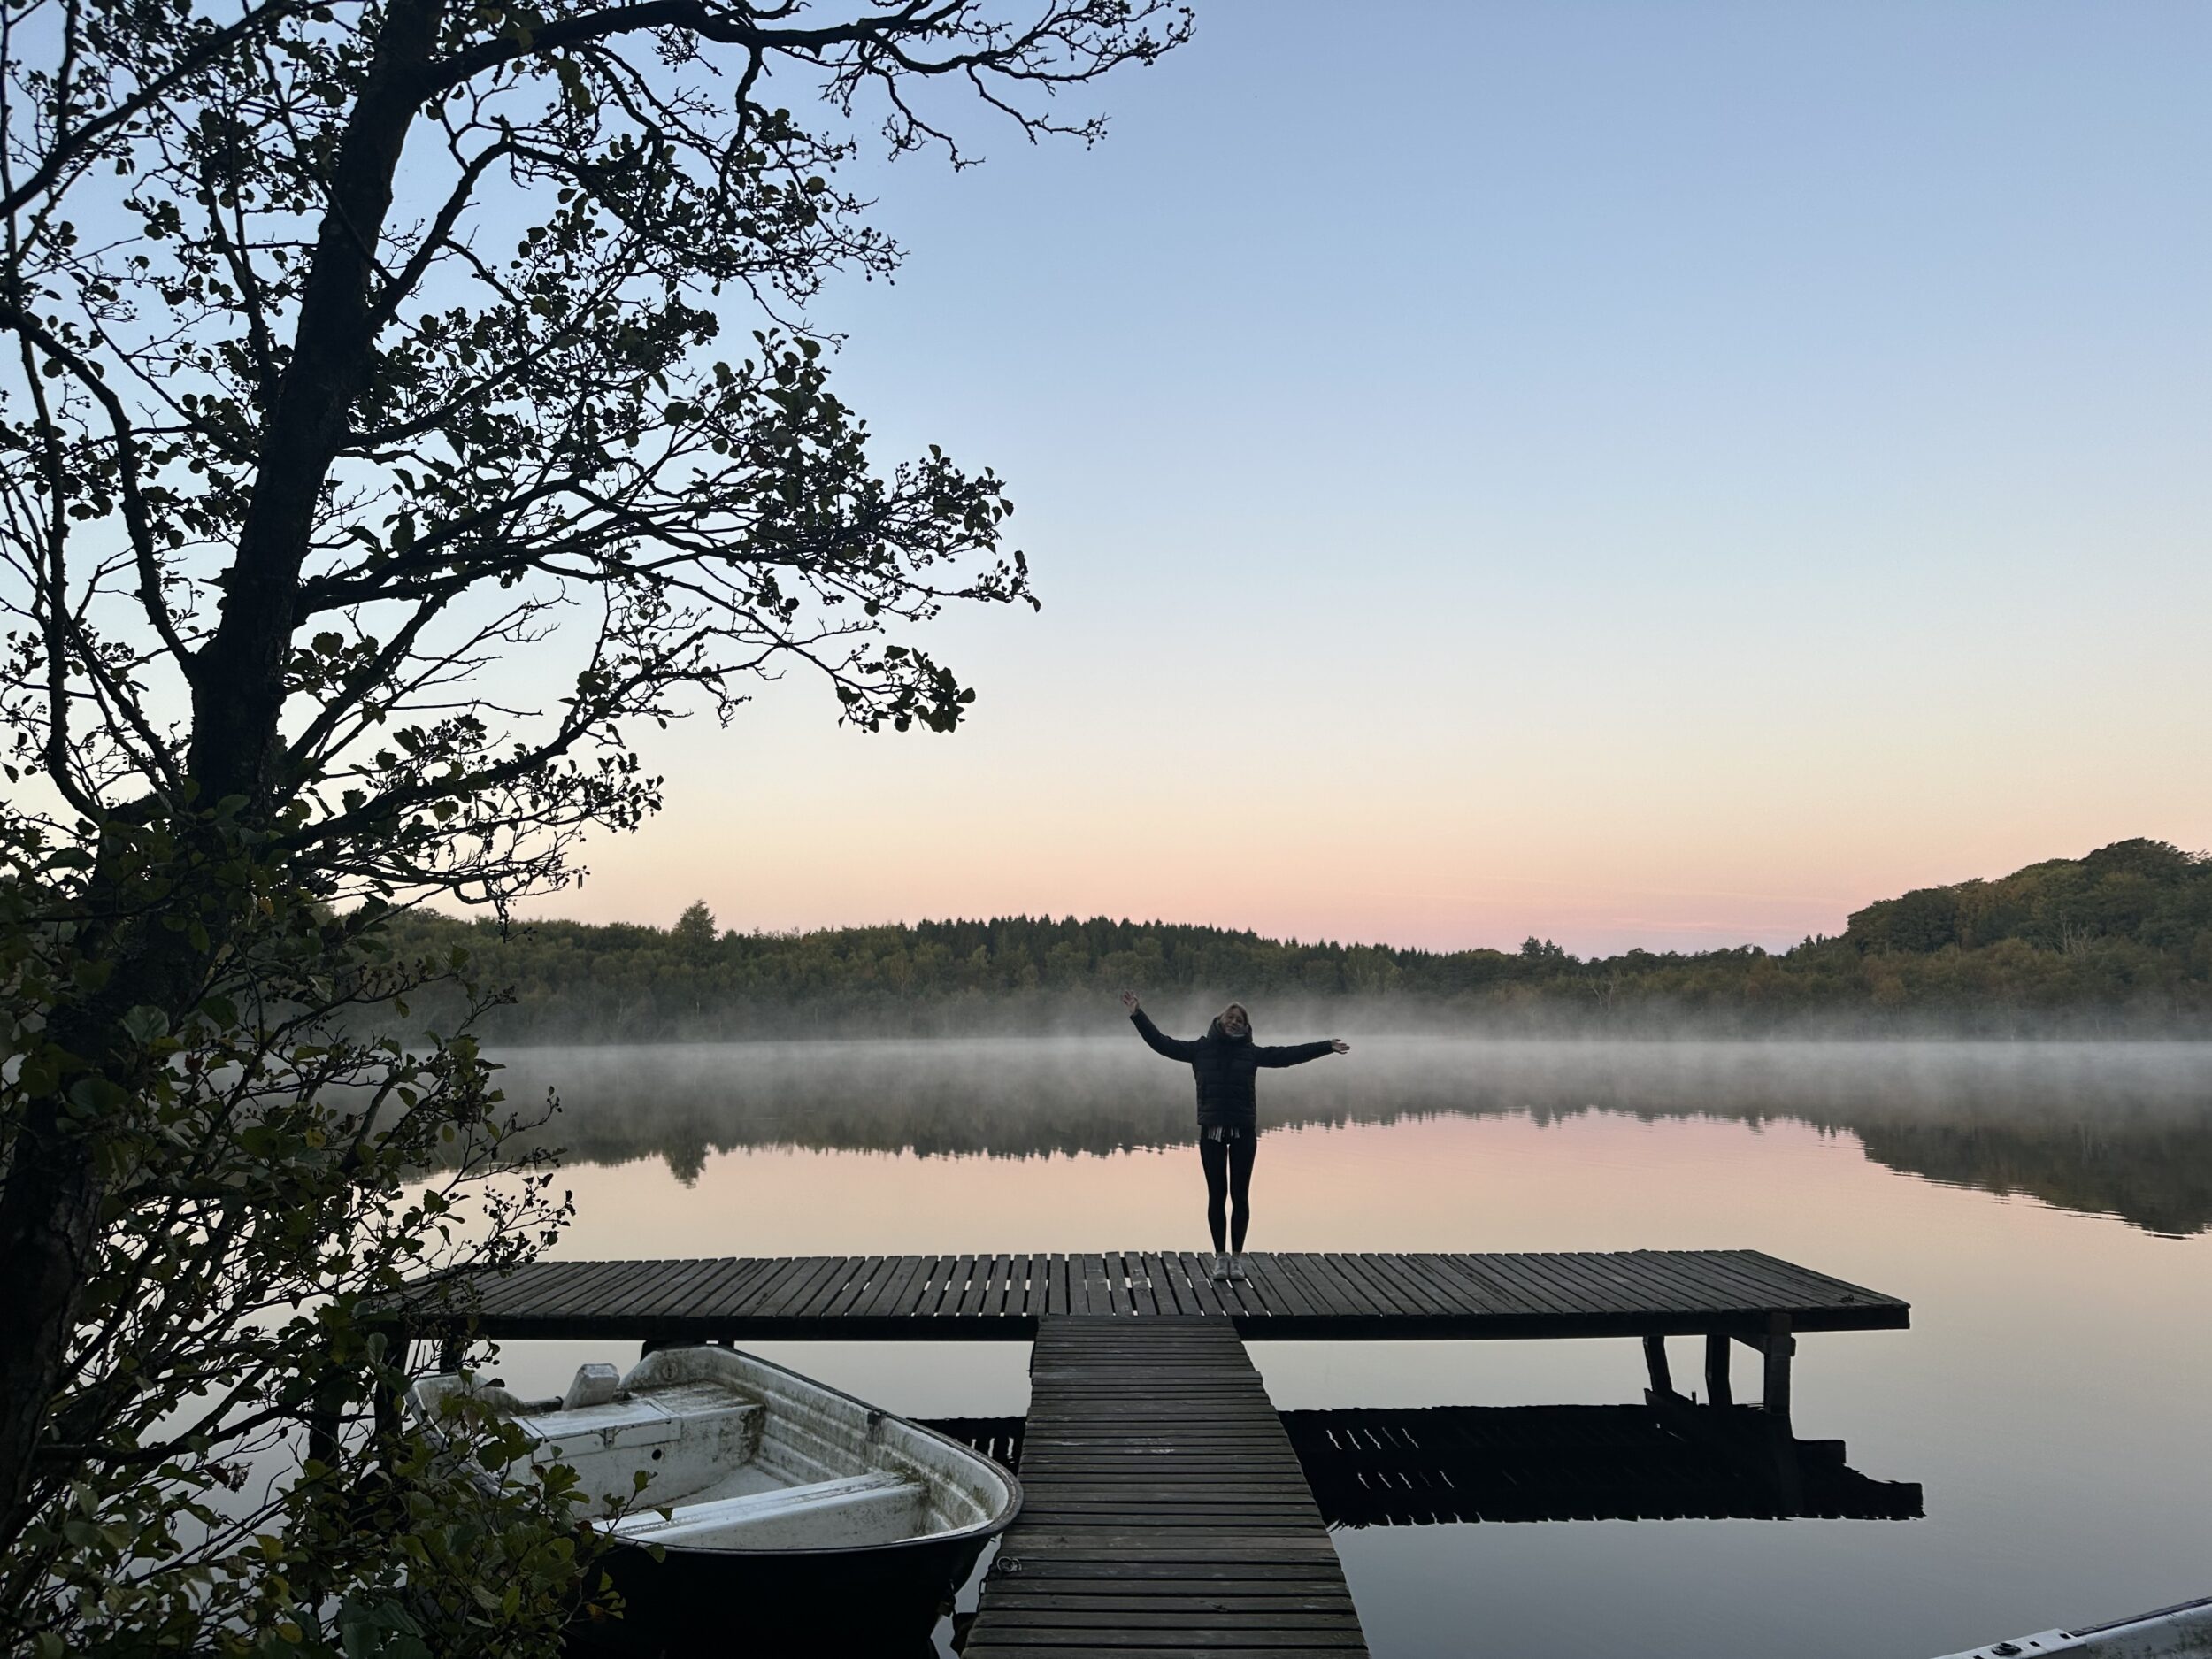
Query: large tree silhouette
x,y
373,467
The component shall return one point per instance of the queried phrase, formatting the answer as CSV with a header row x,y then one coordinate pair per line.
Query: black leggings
x,y
1228,1175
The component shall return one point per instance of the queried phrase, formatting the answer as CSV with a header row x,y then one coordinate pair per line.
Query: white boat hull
x,y
2172,1633
775,1509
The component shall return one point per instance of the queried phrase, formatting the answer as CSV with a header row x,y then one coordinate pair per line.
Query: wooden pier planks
x,y
1289,1295
1164,1509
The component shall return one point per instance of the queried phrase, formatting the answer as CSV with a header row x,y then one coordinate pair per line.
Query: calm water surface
x,y
2044,1208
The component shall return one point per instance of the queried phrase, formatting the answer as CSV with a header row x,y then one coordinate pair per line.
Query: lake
x,y
2044,1208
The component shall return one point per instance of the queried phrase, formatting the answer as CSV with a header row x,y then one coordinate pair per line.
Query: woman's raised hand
x,y
1337,1045
1129,1001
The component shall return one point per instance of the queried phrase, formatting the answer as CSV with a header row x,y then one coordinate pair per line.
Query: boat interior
x,y
741,1453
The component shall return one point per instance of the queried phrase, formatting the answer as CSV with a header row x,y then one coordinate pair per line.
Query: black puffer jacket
x,y
1223,1066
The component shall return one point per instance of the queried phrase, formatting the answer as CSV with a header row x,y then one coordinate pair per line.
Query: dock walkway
x,y
1164,1509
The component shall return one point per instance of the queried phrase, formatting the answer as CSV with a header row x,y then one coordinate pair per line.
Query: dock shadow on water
x,y
2030,1454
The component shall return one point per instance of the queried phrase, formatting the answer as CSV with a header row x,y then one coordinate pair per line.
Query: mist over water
x,y
2117,1128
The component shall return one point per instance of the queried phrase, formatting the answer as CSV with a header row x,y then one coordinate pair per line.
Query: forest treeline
x,y
2119,941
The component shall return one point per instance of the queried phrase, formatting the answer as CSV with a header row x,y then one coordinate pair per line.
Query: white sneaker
x,y
1236,1268
1220,1269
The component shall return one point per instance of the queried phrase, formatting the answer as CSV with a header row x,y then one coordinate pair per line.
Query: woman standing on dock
x,y
1225,1061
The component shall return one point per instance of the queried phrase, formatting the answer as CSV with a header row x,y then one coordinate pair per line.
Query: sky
x,y
1631,474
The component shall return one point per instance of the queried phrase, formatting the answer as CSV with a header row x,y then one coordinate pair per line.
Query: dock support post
x,y
1780,1346
1717,1391
1655,1360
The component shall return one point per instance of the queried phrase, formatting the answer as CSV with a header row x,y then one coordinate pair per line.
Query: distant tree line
x,y
2120,941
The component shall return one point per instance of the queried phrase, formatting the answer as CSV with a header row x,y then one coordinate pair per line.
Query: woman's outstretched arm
x,y
1158,1041
1299,1053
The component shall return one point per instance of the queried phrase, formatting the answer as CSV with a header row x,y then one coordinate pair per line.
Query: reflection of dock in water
x,y
1419,1466
1169,1506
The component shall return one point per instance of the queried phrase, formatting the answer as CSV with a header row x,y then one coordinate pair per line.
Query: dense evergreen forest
x,y
2119,941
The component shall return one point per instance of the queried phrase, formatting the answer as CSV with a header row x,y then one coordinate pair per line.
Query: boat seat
x,y
871,1508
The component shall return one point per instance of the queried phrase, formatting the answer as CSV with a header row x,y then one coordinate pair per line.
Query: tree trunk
x,y
49,1215
50,1209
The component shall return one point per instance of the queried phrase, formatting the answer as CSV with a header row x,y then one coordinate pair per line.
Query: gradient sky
x,y
1658,474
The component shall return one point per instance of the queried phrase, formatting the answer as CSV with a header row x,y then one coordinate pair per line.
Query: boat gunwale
x,y
990,1526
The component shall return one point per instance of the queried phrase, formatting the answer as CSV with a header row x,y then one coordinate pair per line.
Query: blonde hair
x,y
1237,1008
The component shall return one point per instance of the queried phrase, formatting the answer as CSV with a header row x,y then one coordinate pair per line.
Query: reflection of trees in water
x,y
2120,1129
2154,1172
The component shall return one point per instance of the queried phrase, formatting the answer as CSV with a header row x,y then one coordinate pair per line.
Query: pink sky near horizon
x,y
824,828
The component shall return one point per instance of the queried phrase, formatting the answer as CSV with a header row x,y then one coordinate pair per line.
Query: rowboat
x,y
779,1514
2181,1631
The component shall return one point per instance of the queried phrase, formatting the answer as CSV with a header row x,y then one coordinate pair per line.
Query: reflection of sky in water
x,y
2050,1397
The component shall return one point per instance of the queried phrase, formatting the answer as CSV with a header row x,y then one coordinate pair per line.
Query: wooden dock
x,y
1301,1296
1164,1509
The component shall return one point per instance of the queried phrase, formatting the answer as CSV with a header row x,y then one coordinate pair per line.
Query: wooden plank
x,y
1164,1510
956,1282
1063,1285
1107,1283
541,1284
857,1286
1321,1287
1491,1276
1704,1279
804,1299
738,1292
891,1287
977,1291
1161,1288
1279,1290
1410,1289
730,1272
1843,1289
1654,1278
1677,1286
746,1294
670,1293
1512,1269
1143,1299
1383,1295
1203,1291
1758,1286
1583,1287
583,1290
1454,1294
